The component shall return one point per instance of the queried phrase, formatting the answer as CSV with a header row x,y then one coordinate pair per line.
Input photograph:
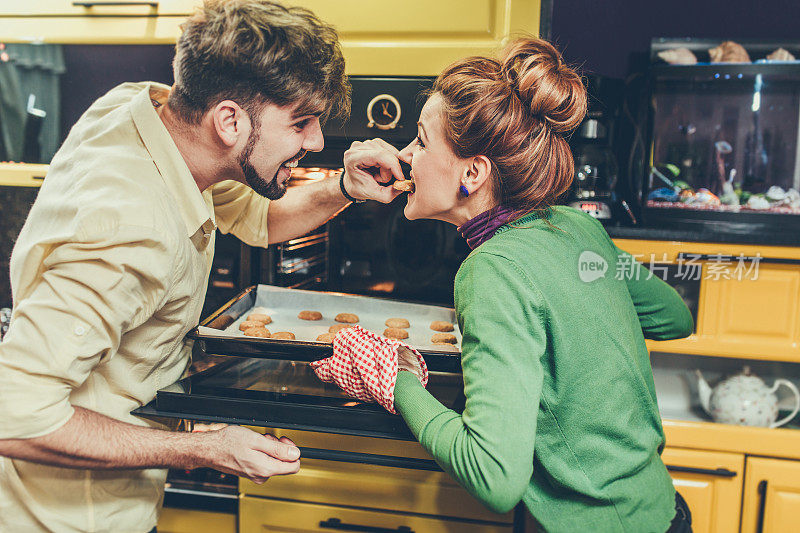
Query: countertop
x,y
662,234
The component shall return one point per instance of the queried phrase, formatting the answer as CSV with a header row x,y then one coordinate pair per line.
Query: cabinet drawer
x,y
191,521
262,514
377,487
711,484
97,8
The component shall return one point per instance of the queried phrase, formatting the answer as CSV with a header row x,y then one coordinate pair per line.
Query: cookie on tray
x,y
309,315
336,328
446,346
259,317
325,337
347,318
258,331
283,335
401,323
247,324
441,325
443,338
395,333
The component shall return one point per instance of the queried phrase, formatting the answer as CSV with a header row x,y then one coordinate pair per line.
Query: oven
x,y
375,250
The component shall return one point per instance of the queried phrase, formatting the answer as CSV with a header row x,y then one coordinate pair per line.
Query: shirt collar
x,y
194,208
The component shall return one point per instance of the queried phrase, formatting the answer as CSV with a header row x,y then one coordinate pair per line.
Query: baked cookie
x,y
347,318
325,337
441,325
443,338
395,333
446,346
247,324
404,185
336,328
310,315
283,335
258,331
397,323
259,317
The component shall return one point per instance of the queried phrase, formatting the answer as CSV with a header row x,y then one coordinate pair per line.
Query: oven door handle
x,y
369,459
203,493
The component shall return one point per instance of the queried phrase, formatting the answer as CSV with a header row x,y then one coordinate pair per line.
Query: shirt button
x,y
80,330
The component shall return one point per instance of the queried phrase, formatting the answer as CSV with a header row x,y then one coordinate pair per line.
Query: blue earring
x,y
463,190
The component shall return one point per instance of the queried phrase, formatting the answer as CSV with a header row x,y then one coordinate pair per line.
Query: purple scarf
x,y
481,228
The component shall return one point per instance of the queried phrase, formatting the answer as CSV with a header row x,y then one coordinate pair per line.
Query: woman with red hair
x,y
561,409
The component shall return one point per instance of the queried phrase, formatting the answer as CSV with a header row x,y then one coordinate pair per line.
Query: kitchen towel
x,y
365,365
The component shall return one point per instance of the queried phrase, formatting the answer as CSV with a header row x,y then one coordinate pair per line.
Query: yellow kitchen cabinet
x,y
379,37
758,315
771,496
748,310
193,521
377,487
22,174
263,514
96,8
711,484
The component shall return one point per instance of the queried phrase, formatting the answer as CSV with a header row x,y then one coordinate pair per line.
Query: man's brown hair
x,y
255,52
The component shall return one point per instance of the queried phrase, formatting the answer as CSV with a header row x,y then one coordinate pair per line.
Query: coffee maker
x,y
596,170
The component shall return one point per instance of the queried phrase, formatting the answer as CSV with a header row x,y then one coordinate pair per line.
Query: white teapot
x,y
745,400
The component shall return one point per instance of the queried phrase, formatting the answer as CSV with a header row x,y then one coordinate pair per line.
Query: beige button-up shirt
x,y
108,275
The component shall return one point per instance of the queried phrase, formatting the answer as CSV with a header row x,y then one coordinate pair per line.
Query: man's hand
x,y
369,167
245,453
93,441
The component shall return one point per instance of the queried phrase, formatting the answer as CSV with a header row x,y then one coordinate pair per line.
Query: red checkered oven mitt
x,y
364,365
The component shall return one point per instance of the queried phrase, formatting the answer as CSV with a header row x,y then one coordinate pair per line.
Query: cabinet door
x,y
711,484
262,514
421,37
757,316
771,496
97,8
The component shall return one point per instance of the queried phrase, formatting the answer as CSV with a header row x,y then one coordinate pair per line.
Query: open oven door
x,y
276,393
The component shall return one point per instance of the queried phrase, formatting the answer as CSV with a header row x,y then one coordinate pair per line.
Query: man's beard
x,y
268,189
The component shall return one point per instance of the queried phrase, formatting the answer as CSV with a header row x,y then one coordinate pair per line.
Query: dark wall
x,y
607,36
92,70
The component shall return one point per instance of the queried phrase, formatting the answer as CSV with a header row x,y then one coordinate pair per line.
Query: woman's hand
x,y
406,360
369,167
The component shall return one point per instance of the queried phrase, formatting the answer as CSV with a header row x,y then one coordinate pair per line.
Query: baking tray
x,y
219,333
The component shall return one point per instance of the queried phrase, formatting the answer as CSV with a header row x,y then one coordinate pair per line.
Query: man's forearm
x,y
94,441
303,209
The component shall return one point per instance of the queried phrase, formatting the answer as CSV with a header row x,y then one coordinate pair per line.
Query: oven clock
x,y
383,112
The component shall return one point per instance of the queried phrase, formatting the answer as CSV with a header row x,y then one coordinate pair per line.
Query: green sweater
x,y
561,406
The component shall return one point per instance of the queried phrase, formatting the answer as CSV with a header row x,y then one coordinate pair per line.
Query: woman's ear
x,y
230,122
479,170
